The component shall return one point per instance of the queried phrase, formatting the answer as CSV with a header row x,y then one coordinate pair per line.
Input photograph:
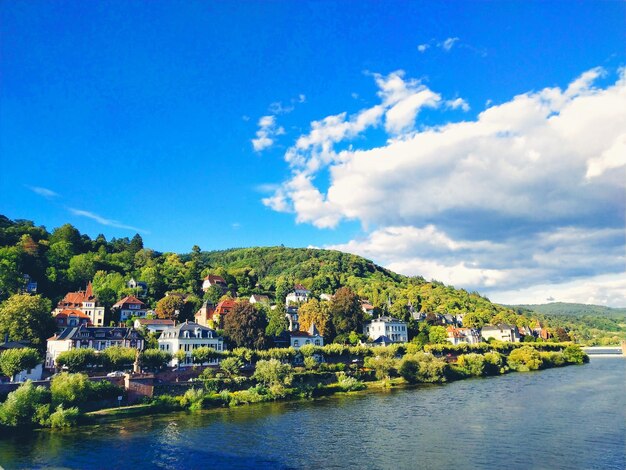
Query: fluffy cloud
x,y
517,196
268,130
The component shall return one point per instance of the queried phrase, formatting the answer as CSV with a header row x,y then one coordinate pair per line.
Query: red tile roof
x,y
131,299
215,279
75,299
76,313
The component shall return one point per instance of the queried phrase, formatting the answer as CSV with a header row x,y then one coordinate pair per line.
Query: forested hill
x,y
579,310
64,260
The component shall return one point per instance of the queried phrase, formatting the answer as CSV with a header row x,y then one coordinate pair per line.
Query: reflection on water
x,y
573,417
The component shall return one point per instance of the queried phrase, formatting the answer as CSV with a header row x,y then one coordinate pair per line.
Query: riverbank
x,y
65,404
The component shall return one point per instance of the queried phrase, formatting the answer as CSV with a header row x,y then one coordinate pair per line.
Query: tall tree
x,y
276,321
346,313
316,312
170,307
26,317
245,326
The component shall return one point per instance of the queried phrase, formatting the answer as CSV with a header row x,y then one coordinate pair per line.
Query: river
x,y
568,418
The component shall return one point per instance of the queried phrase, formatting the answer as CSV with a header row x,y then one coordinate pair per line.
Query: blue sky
x,y
480,144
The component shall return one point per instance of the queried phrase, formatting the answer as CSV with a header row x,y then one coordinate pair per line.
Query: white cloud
x,y
458,103
104,221
423,47
266,134
45,192
606,289
529,188
448,44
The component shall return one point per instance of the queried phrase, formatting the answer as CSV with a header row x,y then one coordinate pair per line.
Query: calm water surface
x,y
570,418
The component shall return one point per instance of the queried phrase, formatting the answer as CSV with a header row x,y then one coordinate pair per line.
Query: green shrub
x,y
154,359
524,359
23,406
70,389
383,365
573,354
64,418
349,384
78,360
473,364
421,367
494,363
118,357
273,372
13,361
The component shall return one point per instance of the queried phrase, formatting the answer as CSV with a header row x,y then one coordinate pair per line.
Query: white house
x,y
86,302
392,328
98,338
153,326
130,307
299,294
301,338
212,280
501,332
259,299
187,337
138,286
463,335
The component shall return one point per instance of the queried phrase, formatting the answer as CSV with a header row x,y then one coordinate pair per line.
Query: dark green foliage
x,y
26,317
26,406
245,326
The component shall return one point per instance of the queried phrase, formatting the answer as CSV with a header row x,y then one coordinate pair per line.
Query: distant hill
x,y
572,309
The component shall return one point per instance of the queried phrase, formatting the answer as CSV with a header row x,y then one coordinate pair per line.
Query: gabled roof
x,y
77,298
130,300
260,298
227,303
382,339
386,319
83,332
72,312
300,287
179,330
215,279
146,321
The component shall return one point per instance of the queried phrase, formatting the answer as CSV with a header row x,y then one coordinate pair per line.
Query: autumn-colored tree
x,y
169,307
245,326
316,312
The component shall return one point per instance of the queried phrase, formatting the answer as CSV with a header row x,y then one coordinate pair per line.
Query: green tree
x,y
437,335
245,326
383,365
277,321
78,360
118,357
204,354
273,372
345,311
213,294
13,361
231,366
170,307
154,359
524,359
27,317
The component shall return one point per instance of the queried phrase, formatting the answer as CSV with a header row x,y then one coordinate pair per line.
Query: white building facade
x,y
187,337
392,328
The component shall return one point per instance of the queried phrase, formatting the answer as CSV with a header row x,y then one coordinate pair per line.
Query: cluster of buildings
x,y
80,322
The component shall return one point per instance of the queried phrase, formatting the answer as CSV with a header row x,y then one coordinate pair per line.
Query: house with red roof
x,y
86,302
302,338
130,307
222,309
300,294
204,316
71,317
212,280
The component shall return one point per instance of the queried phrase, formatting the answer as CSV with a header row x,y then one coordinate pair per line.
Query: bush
x,y
524,359
421,367
574,355
310,363
494,363
551,359
273,372
472,364
64,418
25,406
383,365
349,384
231,366
70,389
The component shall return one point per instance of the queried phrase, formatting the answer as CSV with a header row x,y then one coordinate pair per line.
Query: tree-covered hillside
x,y
564,308
65,260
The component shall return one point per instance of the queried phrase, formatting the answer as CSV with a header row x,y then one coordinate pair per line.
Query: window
x,y
295,343
317,342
